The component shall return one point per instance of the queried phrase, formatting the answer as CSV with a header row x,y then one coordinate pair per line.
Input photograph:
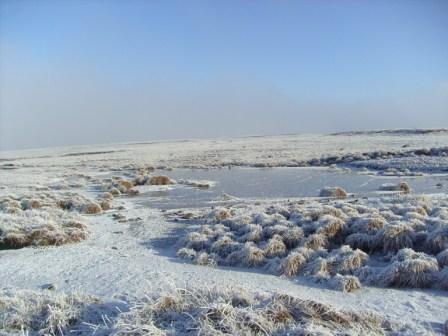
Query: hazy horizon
x,y
89,72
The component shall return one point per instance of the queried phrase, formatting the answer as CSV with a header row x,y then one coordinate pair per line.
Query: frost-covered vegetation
x,y
182,312
40,228
394,242
45,219
27,312
342,243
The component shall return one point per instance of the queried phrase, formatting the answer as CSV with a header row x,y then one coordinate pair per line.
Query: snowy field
x,y
228,236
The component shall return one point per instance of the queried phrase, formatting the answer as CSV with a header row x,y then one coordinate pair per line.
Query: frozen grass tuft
x,y
410,269
160,180
345,283
323,241
442,278
181,312
239,313
46,218
437,240
336,192
402,186
40,228
442,258
41,313
395,237
293,263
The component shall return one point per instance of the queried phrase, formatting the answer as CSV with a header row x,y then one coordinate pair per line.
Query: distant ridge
x,y
402,131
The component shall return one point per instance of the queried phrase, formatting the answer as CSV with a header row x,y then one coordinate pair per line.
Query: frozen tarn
x,y
272,183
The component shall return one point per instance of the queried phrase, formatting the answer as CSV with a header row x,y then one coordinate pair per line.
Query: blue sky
x,y
81,72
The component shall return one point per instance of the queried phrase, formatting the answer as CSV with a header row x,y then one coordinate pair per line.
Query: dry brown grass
x,y
92,208
107,196
275,247
28,204
105,205
255,233
332,227
252,255
395,237
181,312
160,180
126,184
204,259
224,313
224,246
410,269
316,241
318,268
336,192
293,264
41,313
40,228
323,240
361,241
220,214
346,261
115,192
345,283
402,187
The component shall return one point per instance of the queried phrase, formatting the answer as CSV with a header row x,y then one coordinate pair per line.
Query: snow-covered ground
x,y
130,249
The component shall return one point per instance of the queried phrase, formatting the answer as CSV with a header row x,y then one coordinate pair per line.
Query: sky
x,y
80,72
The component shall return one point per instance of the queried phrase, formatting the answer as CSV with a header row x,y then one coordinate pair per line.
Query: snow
x,y
136,256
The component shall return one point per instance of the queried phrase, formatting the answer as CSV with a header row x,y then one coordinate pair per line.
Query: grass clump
x,y
181,312
362,238
230,312
410,269
41,313
40,228
336,192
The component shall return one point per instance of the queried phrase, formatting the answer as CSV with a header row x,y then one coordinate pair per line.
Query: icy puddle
x,y
276,183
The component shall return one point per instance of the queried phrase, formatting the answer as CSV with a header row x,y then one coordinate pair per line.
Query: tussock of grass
x,y
181,312
45,218
78,203
410,269
442,278
402,186
40,228
236,313
160,180
41,313
336,192
395,237
186,253
293,263
345,283
442,258
117,186
337,239
437,240
275,247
